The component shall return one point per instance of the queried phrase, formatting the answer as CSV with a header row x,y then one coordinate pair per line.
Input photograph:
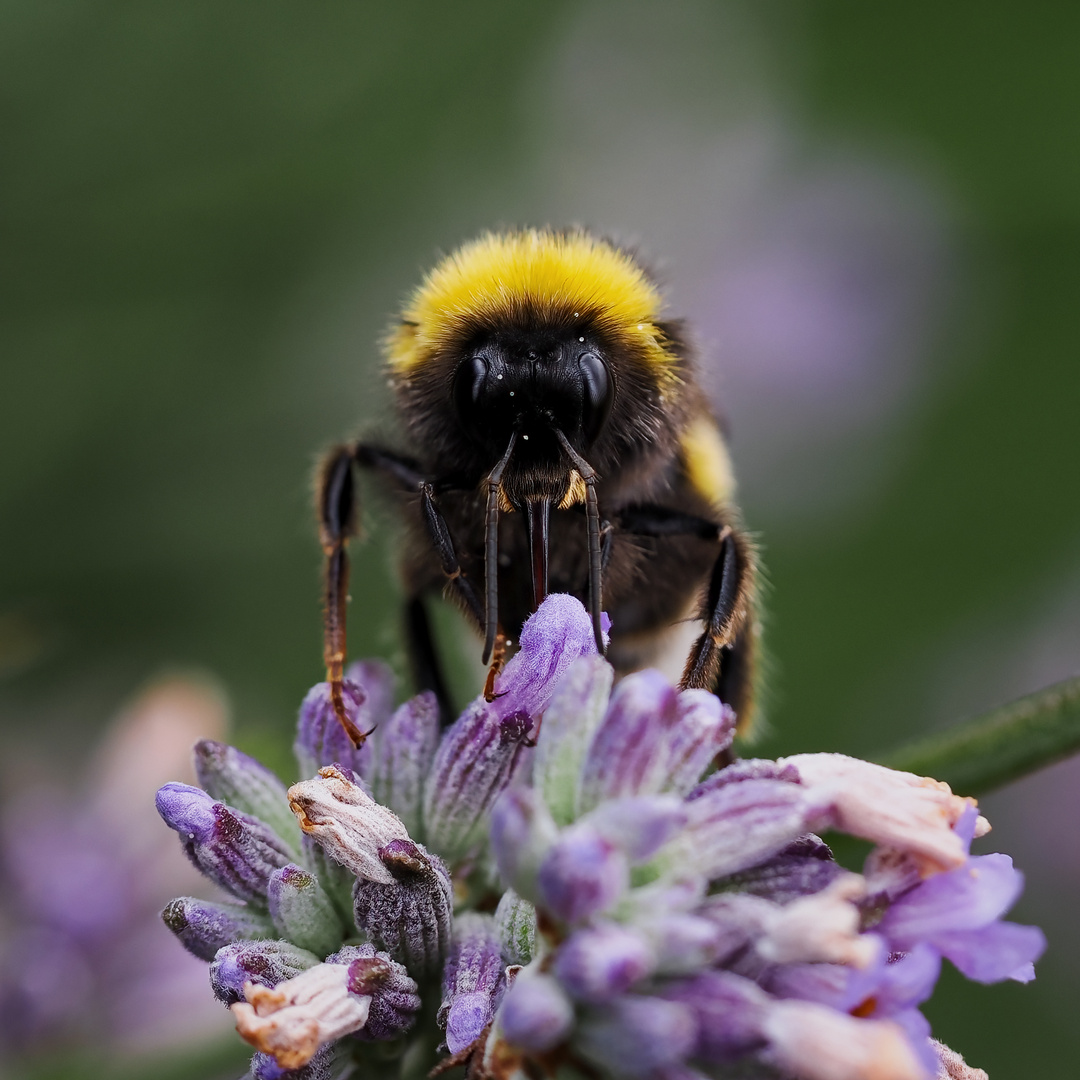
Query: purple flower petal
x,y
728,1011
522,831
638,825
1002,950
703,728
969,897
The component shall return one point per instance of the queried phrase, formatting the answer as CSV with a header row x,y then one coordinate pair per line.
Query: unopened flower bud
x,y
321,740
703,728
410,917
394,998
515,923
473,980
264,962
348,823
636,1036
819,1043
639,825
522,831
729,1011
803,867
204,926
582,875
472,766
295,1019
302,911
599,963
235,850
629,753
239,781
320,1067
735,826
570,721
535,1014
403,748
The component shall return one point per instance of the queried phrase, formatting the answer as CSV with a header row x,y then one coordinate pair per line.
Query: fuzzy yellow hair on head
x,y
563,273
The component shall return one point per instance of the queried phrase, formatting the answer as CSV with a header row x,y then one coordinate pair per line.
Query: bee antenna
x,y
592,518
491,551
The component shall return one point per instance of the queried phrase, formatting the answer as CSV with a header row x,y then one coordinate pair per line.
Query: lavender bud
x,y
639,825
320,1067
628,755
635,1036
473,980
570,721
602,962
582,875
515,923
729,1011
394,998
337,882
472,766
553,637
522,832
403,750
234,850
685,943
265,963
321,740
704,728
203,926
535,1014
349,824
804,867
234,778
302,911
734,826
410,918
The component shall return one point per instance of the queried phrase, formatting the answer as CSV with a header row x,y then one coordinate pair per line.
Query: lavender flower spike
x,y
473,980
203,926
292,1021
234,778
302,911
236,851
348,823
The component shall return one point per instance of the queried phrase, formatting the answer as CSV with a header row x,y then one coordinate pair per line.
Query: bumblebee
x,y
557,441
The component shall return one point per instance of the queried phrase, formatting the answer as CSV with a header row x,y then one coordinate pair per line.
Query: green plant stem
x,y
980,755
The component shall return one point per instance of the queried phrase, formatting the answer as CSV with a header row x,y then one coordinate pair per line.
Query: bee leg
x,y
724,612
722,660
424,658
406,473
336,505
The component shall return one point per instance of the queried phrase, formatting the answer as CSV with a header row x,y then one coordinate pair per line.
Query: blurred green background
x,y
871,212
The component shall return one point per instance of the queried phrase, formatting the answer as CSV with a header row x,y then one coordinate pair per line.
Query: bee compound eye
x,y
596,395
470,386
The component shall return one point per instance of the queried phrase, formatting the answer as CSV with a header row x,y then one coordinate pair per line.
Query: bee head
x,y
532,383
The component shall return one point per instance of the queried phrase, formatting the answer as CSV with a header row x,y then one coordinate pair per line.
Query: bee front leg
x,y
336,506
